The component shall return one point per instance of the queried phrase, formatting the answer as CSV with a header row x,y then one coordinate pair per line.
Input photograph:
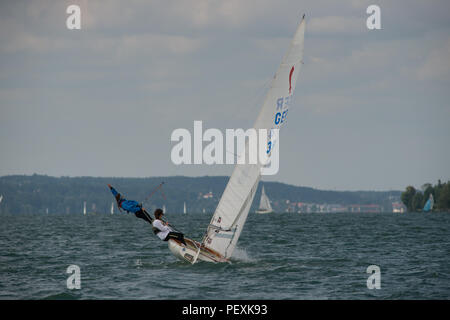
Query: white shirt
x,y
164,229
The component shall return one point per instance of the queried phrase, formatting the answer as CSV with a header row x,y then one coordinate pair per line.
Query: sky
x,y
371,108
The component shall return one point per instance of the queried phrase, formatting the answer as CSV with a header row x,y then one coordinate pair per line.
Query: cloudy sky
x,y
371,109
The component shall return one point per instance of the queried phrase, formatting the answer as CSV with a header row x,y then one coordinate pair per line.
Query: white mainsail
x,y
184,209
264,203
1,198
84,207
229,218
112,207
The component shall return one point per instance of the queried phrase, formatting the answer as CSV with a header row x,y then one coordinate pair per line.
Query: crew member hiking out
x,y
163,230
131,206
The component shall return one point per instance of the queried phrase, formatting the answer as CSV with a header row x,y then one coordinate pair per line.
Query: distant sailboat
x,y
112,207
184,209
164,208
1,198
227,223
84,207
264,203
429,205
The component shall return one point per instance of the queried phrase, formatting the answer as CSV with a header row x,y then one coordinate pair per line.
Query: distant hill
x,y
39,193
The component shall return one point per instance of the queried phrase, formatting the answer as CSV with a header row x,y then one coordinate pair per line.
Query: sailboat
x,y
1,198
164,208
227,222
429,204
84,207
184,208
264,203
112,207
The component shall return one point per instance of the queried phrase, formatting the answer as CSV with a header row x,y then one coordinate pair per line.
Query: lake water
x,y
279,256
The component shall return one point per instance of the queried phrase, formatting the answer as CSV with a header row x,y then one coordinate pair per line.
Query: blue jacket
x,y
127,205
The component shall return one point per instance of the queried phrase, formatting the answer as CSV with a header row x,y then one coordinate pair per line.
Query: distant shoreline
x,y
41,194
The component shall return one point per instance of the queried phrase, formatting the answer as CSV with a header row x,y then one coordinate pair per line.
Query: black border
x,y
173,309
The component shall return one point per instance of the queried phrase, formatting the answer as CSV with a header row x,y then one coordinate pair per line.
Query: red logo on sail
x,y
290,79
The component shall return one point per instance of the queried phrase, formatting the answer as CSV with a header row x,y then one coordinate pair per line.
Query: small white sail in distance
x,y
184,208
229,218
112,207
84,207
264,203
429,204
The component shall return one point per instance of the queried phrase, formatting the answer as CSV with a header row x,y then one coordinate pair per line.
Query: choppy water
x,y
279,256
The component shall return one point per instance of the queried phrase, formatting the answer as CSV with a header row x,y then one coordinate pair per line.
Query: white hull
x,y
263,211
188,253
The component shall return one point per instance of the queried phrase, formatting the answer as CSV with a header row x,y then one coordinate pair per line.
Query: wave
x,y
241,256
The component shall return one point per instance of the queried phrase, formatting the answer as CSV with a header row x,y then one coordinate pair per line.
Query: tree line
x,y
415,200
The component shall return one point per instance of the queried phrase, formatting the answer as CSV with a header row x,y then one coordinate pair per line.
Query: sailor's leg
x,y
147,216
143,215
176,235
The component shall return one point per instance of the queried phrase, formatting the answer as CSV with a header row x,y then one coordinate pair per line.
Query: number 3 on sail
x,y
226,224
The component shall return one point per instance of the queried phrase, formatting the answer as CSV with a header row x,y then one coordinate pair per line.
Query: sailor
x,y
131,206
163,230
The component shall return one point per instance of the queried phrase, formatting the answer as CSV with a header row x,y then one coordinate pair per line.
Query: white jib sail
x,y
229,218
264,203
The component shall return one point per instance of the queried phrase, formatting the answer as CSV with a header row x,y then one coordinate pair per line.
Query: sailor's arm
x,y
113,191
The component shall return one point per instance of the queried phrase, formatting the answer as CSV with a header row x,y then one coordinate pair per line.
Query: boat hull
x,y
263,211
189,251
